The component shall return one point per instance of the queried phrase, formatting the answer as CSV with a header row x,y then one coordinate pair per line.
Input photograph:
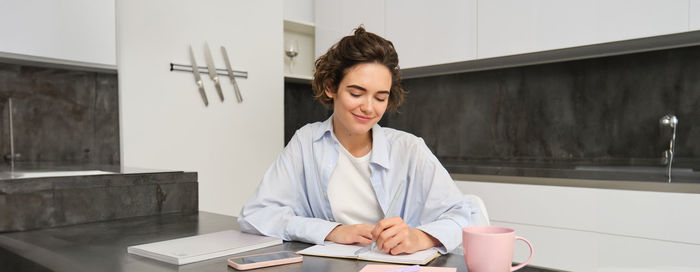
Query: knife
x,y
230,75
212,70
198,78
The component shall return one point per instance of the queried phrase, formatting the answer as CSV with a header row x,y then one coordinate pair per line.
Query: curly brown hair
x,y
361,47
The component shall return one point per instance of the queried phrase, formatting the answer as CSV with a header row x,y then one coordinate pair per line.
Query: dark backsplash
x,y
300,108
601,111
60,116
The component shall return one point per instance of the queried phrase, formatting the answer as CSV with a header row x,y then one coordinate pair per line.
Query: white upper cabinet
x,y
299,37
77,32
299,11
338,18
694,14
508,27
429,32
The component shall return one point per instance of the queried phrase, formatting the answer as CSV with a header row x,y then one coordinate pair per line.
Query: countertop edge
x,y
689,188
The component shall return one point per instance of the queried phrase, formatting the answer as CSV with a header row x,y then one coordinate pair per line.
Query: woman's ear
x,y
329,93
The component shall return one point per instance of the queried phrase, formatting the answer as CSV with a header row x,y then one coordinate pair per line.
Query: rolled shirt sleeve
x,y
445,211
279,207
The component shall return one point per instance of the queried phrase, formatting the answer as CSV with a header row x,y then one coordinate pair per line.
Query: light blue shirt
x,y
292,203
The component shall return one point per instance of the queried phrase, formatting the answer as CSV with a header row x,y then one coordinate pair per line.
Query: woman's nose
x,y
366,105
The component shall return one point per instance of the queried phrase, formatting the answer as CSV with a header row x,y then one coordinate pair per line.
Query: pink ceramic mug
x,y
490,248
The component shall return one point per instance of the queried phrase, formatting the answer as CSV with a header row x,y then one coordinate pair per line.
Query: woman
x,y
348,180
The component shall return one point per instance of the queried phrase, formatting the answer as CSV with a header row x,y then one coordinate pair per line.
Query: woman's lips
x,y
362,118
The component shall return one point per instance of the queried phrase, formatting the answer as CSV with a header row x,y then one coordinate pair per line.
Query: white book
x,y
330,249
203,247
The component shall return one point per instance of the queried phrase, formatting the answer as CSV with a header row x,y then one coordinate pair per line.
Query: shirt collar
x,y
380,144
326,127
380,147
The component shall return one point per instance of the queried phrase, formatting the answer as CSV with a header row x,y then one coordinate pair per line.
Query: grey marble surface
x,y
300,108
601,111
102,247
594,119
44,202
60,115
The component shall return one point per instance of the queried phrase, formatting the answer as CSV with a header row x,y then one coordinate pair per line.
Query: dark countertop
x,y
102,247
31,170
597,172
622,174
640,175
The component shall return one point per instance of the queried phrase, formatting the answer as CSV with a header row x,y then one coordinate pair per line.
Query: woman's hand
x,y
351,234
394,236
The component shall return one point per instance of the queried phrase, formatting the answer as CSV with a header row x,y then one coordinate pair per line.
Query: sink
x,y
43,174
634,169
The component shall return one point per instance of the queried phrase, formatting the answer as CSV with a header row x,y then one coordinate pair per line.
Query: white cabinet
x,y
337,18
299,11
508,27
694,15
428,33
69,31
423,32
299,37
452,31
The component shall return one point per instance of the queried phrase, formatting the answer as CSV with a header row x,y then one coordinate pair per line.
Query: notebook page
x,y
331,249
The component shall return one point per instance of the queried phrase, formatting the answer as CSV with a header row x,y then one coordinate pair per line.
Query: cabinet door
x,y
337,18
66,30
429,33
694,15
508,27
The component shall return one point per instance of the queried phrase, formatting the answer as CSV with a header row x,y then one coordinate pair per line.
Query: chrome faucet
x,y
12,156
670,121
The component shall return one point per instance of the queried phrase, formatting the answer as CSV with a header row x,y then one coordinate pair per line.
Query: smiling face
x,y
361,99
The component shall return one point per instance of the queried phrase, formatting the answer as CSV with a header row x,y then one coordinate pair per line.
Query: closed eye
x,y
382,96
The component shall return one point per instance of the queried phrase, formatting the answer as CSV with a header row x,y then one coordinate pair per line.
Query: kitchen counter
x,y
597,172
47,197
102,247
641,178
30,170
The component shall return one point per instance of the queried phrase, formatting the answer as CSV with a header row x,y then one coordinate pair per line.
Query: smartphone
x,y
264,260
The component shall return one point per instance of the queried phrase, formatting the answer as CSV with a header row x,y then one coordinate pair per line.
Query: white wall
x,y
584,229
164,124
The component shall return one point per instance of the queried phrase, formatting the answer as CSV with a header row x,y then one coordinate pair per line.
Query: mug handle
x,y
528,259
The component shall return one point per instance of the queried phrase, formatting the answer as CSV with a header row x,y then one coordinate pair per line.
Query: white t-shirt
x,y
350,193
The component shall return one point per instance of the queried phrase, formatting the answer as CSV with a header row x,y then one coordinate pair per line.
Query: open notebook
x,y
202,247
330,249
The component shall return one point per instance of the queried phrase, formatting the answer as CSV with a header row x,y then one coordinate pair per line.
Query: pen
x,y
388,212
391,207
